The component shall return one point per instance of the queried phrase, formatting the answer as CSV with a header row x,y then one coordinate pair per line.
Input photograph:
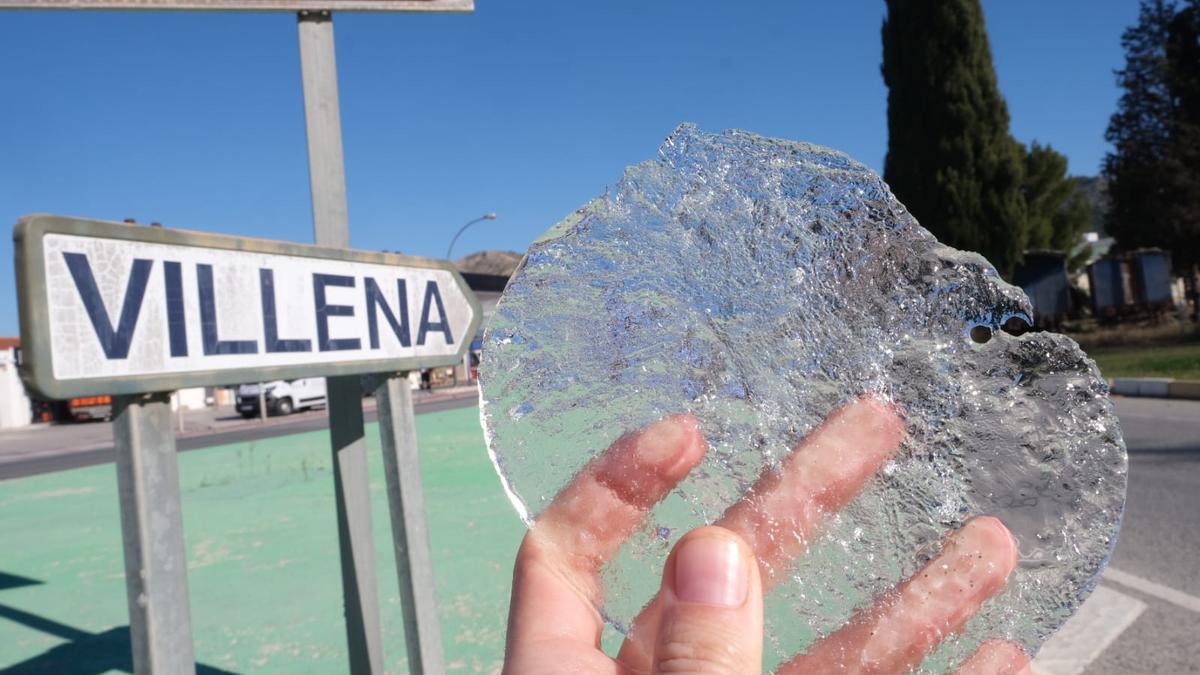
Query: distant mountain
x,y
1096,189
502,263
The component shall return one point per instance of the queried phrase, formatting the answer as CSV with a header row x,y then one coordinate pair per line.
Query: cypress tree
x,y
950,157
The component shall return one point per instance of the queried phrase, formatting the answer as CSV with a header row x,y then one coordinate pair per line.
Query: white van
x,y
282,396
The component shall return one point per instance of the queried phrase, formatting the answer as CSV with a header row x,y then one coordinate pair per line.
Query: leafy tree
x,y
950,157
1056,207
1183,158
1140,131
1153,170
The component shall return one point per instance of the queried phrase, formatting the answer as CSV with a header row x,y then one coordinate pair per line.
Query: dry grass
x,y
1165,332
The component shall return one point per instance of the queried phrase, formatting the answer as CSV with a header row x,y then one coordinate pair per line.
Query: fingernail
x,y
711,571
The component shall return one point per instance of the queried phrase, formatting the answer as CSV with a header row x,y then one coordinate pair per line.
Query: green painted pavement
x,y
261,537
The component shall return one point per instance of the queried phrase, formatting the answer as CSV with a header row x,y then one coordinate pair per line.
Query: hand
x,y
707,616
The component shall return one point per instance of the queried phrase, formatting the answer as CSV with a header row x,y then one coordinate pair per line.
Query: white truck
x,y
283,397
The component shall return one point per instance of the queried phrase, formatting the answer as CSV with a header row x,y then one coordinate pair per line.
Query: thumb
x,y
712,612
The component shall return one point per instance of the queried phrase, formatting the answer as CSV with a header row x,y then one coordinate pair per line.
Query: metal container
x,y
1043,277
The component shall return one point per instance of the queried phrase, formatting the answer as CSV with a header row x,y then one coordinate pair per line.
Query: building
x,y
15,406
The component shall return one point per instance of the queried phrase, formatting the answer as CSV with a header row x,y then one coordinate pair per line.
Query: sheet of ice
x,y
757,284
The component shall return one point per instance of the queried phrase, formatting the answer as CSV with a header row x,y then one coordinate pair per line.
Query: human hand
x,y
707,616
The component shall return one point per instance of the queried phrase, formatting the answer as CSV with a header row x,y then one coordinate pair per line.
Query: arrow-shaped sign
x,y
108,308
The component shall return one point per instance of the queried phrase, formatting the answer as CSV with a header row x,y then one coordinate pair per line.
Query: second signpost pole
x,y
401,465
326,169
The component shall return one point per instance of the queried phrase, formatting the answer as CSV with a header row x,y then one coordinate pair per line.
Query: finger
x,y
784,509
556,577
997,657
900,629
829,468
596,512
712,614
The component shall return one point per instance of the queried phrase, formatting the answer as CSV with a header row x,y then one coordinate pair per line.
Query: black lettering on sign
x,y
271,340
442,325
176,316
115,343
375,300
209,332
326,310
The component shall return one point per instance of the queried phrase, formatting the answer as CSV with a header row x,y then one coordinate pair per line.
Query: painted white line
x,y
1101,618
1178,598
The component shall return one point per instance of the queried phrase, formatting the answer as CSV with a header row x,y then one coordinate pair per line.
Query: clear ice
x,y
758,284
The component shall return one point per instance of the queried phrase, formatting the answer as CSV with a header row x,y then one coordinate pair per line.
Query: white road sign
x,y
112,308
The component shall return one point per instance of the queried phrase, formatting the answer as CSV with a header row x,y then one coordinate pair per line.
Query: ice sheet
x,y
758,284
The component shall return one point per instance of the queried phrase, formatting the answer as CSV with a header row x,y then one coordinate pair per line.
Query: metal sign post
x,y
401,464
160,623
168,309
331,226
159,319
410,533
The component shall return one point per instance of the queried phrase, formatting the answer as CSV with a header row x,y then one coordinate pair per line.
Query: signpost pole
x,y
410,534
327,176
160,624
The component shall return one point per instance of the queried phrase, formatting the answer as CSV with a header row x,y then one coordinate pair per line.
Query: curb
x,y
1158,387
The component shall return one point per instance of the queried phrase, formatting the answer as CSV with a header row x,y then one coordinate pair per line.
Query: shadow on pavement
x,y
8,581
1175,451
84,654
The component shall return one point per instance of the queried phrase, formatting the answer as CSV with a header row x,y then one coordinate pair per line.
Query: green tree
x,y
950,157
1057,209
1183,156
1140,131
1153,170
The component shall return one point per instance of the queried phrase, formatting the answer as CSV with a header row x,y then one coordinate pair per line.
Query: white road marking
x,y
1101,618
1166,593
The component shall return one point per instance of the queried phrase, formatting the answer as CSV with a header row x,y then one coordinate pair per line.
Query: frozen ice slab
x,y
759,284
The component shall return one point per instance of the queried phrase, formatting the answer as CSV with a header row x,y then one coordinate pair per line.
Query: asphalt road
x,y
70,446
1160,540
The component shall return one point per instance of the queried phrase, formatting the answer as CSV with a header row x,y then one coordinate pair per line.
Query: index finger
x,y
607,501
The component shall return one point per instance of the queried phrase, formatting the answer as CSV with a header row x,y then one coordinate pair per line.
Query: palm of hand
x,y
707,616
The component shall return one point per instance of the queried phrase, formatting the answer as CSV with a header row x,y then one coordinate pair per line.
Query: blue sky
x,y
524,108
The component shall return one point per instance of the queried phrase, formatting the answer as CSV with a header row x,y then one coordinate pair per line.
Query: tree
x,y
1153,170
1140,131
1183,156
1057,209
950,157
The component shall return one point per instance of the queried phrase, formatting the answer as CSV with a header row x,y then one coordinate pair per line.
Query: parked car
x,y
283,397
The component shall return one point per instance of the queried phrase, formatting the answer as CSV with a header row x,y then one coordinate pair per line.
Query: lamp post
x,y
486,216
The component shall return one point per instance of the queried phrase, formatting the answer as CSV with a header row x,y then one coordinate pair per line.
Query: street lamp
x,y
486,216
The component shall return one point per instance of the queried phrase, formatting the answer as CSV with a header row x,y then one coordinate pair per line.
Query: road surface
x,y
47,448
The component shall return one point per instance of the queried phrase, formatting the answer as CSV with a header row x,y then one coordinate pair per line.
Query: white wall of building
x,y
14,402
193,398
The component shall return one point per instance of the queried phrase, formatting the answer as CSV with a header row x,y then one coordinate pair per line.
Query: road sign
x,y
252,5
108,308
